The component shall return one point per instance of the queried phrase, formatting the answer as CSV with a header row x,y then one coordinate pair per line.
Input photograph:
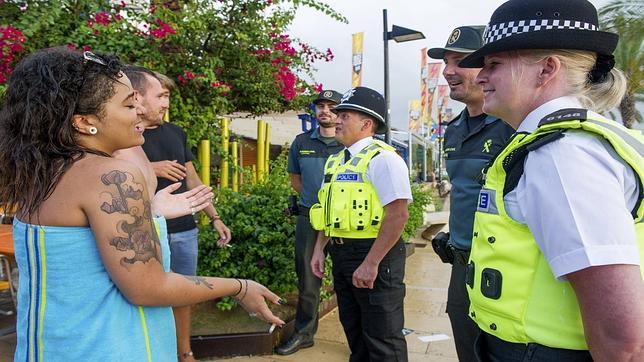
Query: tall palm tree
x,y
626,17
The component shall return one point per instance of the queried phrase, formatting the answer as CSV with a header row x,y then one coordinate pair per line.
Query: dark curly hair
x,y
37,140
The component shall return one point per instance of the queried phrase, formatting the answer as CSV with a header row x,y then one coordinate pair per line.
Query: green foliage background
x,y
216,40
416,209
263,244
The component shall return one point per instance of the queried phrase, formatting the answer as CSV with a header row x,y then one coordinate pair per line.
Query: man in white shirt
x,y
362,211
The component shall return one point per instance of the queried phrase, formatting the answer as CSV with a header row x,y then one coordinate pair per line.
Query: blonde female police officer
x,y
554,271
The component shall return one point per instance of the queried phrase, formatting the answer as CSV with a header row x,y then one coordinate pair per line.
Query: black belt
x,y
460,256
303,210
341,241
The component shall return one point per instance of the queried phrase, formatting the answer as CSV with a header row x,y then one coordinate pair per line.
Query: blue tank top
x,y
70,310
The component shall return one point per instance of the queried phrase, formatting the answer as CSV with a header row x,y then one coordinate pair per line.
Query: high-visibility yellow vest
x,y
349,205
513,292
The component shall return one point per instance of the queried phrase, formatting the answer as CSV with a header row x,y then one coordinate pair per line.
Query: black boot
x,y
294,344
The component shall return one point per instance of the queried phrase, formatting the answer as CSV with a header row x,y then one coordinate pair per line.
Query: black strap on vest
x,y
566,114
513,163
347,156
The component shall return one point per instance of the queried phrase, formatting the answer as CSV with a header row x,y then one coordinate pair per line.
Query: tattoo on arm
x,y
198,280
134,236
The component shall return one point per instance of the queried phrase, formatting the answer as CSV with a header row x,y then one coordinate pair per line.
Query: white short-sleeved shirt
x,y
387,172
576,195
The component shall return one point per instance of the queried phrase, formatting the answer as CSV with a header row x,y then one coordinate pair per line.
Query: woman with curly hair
x,y
94,283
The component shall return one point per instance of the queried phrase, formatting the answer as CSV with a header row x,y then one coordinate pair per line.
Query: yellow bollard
x,y
166,116
235,178
267,153
204,161
204,171
223,165
253,171
260,150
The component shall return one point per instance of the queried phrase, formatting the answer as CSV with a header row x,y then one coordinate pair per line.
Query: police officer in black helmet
x,y
362,212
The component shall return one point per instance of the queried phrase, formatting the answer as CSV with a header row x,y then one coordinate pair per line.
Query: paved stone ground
x,y
427,280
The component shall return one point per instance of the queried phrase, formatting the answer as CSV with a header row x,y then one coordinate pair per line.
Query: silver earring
x,y
93,130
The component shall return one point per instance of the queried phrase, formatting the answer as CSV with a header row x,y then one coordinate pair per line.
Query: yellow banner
x,y
356,60
414,115
423,86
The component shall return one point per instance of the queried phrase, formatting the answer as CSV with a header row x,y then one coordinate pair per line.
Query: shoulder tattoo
x,y
132,233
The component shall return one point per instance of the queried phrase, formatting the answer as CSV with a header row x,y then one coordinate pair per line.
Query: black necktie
x,y
347,155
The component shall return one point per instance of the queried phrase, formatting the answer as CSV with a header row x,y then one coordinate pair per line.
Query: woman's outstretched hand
x,y
253,298
174,205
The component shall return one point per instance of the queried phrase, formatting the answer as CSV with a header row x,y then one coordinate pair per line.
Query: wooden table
x,y
6,241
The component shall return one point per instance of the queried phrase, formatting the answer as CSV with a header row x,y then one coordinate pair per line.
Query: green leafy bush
x,y
416,209
263,248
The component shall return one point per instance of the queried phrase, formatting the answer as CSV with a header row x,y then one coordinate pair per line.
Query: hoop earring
x,y
93,130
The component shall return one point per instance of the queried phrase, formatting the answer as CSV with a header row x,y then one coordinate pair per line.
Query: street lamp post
x,y
400,35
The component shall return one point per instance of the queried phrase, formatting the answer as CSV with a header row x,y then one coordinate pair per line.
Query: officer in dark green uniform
x,y
306,160
363,210
471,140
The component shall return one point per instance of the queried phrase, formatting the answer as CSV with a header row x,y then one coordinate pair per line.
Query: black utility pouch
x,y
293,208
439,243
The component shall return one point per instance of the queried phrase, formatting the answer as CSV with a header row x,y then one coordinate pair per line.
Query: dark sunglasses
x,y
91,57
87,58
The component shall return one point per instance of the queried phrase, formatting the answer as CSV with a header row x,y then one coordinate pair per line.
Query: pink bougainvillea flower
x,y
163,29
11,39
102,18
286,81
166,27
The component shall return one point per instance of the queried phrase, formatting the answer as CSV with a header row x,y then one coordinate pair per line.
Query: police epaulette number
x,y
567,114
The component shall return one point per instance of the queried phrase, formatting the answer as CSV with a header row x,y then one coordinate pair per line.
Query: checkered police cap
x,y
543,24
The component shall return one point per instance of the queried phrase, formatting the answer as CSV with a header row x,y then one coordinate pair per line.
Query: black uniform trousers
x,y
489,348
464,329
306,317
372,318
